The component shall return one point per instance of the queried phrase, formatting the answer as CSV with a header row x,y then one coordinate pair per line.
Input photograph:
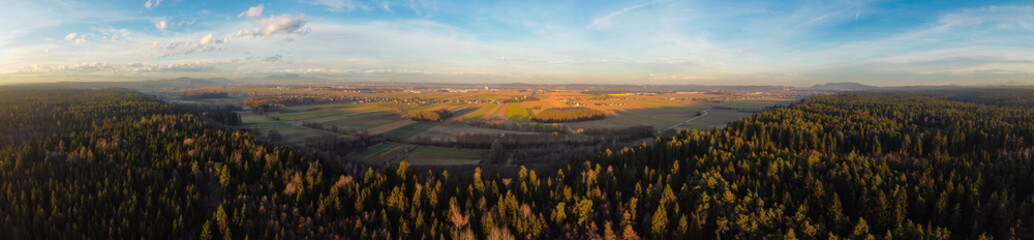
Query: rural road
x,y
687,121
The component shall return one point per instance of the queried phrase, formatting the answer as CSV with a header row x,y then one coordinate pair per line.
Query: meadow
x,y
510,112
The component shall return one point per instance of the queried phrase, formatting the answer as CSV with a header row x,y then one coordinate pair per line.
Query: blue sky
x,y
795,43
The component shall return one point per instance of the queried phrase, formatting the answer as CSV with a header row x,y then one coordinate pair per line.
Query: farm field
x,y
295,134
382,153
383,128
384,115
515,112
476,113
449,131
361,121
252,120
312,114
410,130
714,119
659,118
441,156
755,105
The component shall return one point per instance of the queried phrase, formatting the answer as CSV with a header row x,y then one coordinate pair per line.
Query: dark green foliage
x,y
575,114
878,165
431,115
225,116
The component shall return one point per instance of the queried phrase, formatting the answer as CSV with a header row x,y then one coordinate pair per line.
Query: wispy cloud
x,y
205,44
133,67
341,5
278,59
283,24
605,20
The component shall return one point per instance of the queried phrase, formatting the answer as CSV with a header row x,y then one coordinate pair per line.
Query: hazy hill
x,y
843,86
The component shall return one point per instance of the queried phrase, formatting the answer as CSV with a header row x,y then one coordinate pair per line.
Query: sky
x,y
796,43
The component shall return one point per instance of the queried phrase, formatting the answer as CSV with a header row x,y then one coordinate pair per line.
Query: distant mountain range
x,y
182,82
185,81
842,86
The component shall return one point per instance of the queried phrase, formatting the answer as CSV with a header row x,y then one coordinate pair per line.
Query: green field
x,y
515,112
480,112
251,120
410,130
358,117
294,134
312,114
755,105
714,119
685,109
382,152
426,155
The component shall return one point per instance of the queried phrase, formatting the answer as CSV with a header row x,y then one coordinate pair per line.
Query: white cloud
x,y
78,41
163,24
284,24
253,12
152,3
205,44
115,34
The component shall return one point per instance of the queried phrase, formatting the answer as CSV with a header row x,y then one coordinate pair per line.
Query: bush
x,y
431,116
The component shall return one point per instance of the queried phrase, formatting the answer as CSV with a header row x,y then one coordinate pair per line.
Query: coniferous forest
x,y
115,164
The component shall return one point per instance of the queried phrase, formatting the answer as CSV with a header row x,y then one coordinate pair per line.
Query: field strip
x,y
687,121
383,128
478,113
360,115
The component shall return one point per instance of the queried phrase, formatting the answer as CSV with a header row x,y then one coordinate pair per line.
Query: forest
x,y
115,164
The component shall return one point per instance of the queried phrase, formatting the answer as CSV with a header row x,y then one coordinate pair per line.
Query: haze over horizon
x,y
628,42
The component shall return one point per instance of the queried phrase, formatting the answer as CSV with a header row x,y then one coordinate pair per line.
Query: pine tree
x,y
659,223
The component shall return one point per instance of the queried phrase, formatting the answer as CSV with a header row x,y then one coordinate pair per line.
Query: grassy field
x,y
479,112
755,105
515,112
449,131
410,130
382,152
359,116
295,134
311,114
714,118
659,118
251,120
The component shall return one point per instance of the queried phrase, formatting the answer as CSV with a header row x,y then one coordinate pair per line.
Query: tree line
x,y
575,114
431,115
